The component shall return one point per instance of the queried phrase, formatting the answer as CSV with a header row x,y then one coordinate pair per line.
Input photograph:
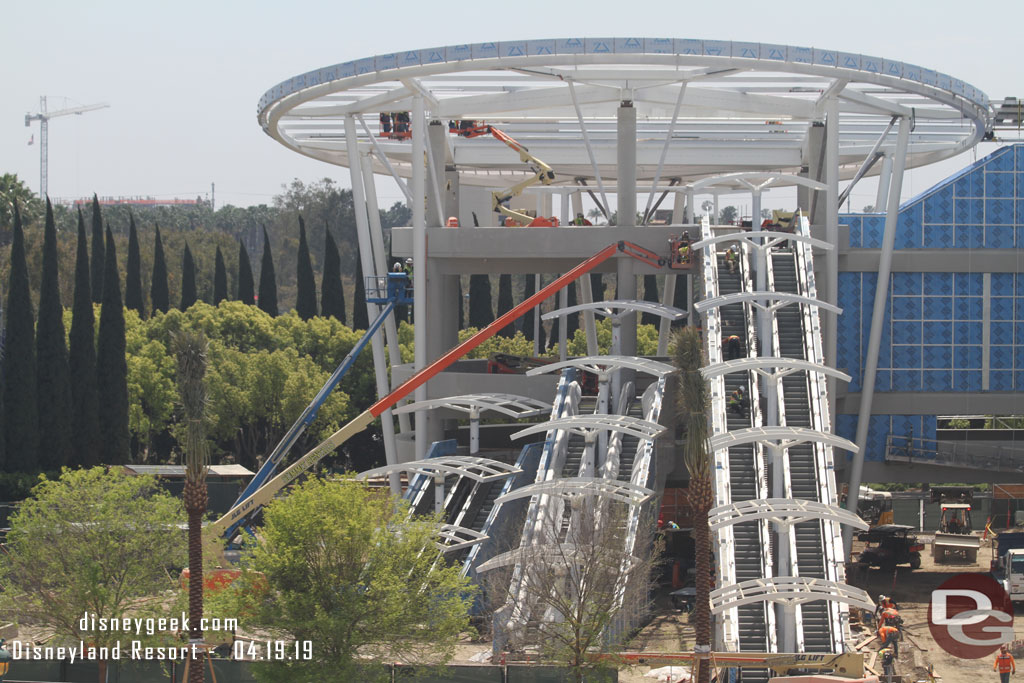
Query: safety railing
x,y
917,450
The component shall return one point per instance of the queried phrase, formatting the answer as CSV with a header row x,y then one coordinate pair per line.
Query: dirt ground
x,y
670,630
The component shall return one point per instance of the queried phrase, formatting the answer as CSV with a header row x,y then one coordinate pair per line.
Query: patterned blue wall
x,y
933,331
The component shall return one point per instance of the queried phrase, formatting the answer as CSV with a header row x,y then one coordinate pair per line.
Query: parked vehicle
x,y
890,545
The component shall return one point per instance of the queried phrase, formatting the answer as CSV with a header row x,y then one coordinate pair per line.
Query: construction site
x,y
836,347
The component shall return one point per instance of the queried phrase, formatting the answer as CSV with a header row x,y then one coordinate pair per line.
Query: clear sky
x,y
183,78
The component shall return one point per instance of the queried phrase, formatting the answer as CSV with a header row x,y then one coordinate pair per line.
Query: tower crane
x,y
44,117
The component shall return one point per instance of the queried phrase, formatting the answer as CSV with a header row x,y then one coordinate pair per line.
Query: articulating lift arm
x,y
263,495
542,173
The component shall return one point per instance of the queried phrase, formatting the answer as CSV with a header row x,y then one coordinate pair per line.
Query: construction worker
x,y
890,617
397,268
732,258
385,122
888,658
889,637
732,347
408,268
1004,664
885,602
737,402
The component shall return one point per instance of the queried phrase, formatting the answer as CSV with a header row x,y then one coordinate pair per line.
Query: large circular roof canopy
x,y
729,106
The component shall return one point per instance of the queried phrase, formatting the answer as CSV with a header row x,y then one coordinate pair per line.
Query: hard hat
x,y
408,261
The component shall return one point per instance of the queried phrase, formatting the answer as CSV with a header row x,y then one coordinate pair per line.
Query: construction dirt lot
x,y
670,630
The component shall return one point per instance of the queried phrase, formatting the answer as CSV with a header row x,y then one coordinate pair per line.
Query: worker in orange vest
x,y
889,636
889,617
1004,664
885,602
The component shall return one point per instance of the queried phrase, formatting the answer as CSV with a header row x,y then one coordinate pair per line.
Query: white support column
x,y
419,260
577,203
625,274
438,492
665,326
830,323
563,207
563,326
690,208
474,431
589,326
380,260
380,368
877,320
884,177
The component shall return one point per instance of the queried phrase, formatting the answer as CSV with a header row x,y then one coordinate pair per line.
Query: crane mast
x,y
44,116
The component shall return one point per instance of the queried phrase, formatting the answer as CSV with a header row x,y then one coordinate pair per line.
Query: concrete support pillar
x,y
437,146
877,320
589,325
668,298
577,203
369,269
419,258
830,322
625,273
474,431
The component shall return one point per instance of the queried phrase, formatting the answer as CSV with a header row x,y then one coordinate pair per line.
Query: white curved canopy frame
x,y
755,298
785,511
513,405
788,590
606,364
762,362
575,487
477,469
582,424
620,308
783,437
753,235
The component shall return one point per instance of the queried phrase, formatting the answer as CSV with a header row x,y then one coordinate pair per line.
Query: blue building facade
x,y
954,315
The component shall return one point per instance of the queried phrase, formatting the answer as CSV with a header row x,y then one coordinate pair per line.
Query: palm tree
x,y
190,348
693,407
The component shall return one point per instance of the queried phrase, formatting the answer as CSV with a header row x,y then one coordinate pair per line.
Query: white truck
x,y
1008,567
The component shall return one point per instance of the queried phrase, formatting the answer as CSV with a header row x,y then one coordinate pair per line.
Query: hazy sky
x,y
183,78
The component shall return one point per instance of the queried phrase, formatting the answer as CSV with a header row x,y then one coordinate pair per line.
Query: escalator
x,y
743,484
815,619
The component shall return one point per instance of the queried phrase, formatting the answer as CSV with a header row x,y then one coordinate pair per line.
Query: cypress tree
x,y
650,294
53,381
97,252
481,314
462,314
159,294
188,279
111,369
681,298
332,295
268,281
529,289
597,286
133,276
19,363
505,304
246,287
305,301
360,317
220,279
82,362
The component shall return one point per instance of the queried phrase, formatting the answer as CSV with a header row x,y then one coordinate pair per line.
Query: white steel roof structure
x,y
477,469
573,487
725,106
604,364
581,424
508,404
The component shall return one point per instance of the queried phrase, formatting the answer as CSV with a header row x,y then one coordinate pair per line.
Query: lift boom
x,y
266,493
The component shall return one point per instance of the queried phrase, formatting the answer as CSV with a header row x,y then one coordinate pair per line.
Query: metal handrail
x,y
953,454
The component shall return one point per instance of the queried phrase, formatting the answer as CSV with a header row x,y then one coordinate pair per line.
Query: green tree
x,y
348,570
305,302
268,281
19,363
505,304
360,317
481,311
220,278
14,191
159,294
190,349
246,288
727,216
53,381
133,276
82,361
693,405
188,279
94,541
111,366
98,249
332,294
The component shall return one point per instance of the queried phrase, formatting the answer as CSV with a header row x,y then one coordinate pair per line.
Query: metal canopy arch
x,y
740,182
751,235
454,537
477,469
625,306
782,299
605,364
786,511
575,487
787,590
508,404
745,105
790,364
549,552
785,436
582,424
